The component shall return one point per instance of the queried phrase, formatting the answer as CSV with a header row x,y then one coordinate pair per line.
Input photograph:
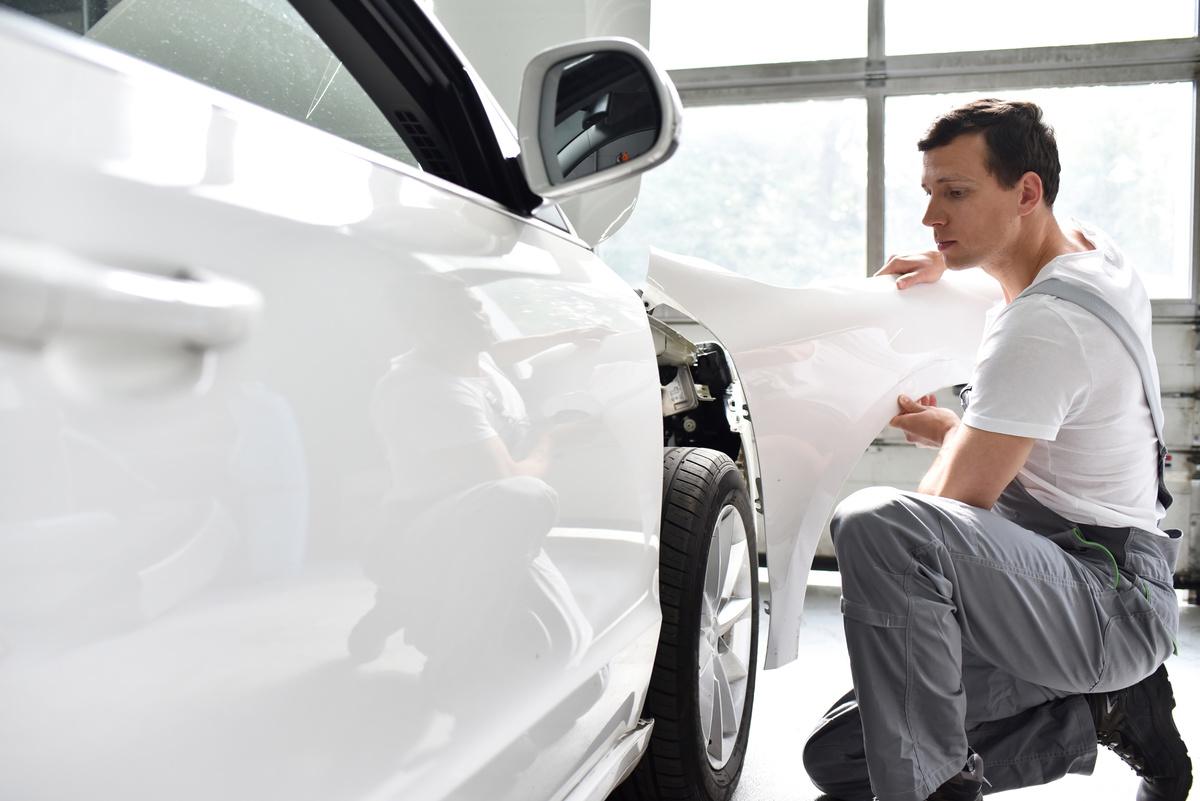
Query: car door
x,y
329,472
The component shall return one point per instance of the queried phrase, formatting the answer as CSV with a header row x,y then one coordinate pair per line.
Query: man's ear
x,y
1031,193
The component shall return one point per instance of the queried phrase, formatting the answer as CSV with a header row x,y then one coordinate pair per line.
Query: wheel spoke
x,y
725,700
734,668
705,655
708,612
738,568
726,529
716,729
733,610
718,556
712,573
707,693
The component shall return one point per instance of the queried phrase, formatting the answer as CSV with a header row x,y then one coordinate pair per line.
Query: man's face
x,y
973,217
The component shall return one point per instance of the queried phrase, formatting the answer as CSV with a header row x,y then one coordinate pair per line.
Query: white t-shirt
x,y
1050,370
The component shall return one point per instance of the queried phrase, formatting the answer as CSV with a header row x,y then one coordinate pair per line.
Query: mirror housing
x,y
594,112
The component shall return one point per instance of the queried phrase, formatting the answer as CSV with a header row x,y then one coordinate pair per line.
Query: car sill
x,y
615,767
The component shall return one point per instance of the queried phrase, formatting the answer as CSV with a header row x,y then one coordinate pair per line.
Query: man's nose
x,y
933,215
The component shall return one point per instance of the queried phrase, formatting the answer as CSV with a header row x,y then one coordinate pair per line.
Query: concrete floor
x,y
789,702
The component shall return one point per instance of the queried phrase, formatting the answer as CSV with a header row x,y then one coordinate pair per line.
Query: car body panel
x,y
189,536
820,368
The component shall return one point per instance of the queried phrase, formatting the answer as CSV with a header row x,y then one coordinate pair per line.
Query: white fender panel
x,y
821,367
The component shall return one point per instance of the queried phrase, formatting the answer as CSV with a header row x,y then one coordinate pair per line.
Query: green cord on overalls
x,y
1117,575
1094,545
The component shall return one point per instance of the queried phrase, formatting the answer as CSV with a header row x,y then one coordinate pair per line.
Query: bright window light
x,y
711,33
912,27
776,191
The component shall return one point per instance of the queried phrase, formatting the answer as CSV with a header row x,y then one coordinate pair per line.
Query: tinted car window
x,y
260,50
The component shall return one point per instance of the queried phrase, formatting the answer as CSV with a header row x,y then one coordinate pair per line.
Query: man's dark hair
x,y
1017,140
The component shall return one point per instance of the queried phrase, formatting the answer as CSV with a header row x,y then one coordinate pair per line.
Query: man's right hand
x,y
923,422
920,268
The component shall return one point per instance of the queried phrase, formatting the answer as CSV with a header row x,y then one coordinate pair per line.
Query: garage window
x,y
777,192
1035,23
706,33
1117,81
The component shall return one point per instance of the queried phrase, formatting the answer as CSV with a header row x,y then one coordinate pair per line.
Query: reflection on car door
x,y
395,538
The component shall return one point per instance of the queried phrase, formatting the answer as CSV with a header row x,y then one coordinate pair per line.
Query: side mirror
x,y
592,113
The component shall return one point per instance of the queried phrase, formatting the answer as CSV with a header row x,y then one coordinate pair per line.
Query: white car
x,y
333,465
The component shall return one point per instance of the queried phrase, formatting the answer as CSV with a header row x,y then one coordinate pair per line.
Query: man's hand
x,y
924,422
921,268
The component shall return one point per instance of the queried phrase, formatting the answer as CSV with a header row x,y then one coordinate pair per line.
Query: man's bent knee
x,y
860,517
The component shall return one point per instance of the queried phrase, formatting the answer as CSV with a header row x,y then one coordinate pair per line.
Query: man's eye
x,y
957,193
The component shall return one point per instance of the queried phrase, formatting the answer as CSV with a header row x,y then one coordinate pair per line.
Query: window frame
x,y
405,64
879,76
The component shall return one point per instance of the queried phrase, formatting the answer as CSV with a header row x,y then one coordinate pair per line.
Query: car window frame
x,y
408,67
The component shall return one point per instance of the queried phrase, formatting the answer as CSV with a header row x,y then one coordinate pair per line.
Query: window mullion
x,y
875,178
1196,192
876,40
875,92
931,73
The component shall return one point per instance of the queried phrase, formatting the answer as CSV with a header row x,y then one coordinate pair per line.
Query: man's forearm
x,y
511,351
974,466
934,477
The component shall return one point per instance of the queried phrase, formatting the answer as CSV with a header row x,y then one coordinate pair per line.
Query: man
x,y
1017,608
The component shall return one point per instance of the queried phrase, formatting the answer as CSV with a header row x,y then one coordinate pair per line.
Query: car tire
x,y
706,513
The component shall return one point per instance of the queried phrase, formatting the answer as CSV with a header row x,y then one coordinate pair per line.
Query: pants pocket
x,y
1149,566
1134,646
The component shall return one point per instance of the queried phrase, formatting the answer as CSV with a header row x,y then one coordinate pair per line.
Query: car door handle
x,y
46,292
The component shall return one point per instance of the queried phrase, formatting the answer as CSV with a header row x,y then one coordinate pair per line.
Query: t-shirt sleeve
x,y
459,416
1031,375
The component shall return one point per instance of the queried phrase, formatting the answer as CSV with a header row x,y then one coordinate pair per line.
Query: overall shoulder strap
x,y
1090,301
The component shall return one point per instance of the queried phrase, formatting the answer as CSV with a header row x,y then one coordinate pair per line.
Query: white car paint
x,y
183,529
820,368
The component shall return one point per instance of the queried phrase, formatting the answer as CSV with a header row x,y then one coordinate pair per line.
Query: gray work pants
x,y
959,620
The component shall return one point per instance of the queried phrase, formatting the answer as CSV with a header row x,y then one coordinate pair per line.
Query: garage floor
x,y
789,701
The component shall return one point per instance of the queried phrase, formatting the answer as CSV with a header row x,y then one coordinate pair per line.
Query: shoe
x,y
834,756
1137,724
967,785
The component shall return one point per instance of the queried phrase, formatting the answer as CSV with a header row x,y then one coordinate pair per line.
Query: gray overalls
x,y
967,625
